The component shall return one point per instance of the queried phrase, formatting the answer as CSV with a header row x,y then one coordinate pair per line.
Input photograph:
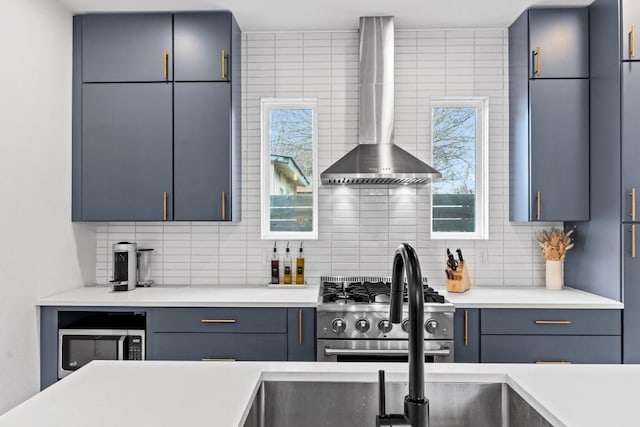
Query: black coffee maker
x,y
125,266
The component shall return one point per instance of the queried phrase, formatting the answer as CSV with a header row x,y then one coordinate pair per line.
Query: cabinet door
x,y
559,43
631,284
630,139
302,334
202,46
202,156
126,152
559,149
630,30
218,346
126,47
550,349
467,336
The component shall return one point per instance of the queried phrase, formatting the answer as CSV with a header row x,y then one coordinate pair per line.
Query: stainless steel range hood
x,y
376,159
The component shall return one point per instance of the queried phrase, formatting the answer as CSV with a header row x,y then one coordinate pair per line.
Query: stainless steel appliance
x,y
376,159
125,266
144,267
353,322
84,336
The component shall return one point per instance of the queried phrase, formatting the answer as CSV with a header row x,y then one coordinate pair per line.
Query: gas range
x,y
353,322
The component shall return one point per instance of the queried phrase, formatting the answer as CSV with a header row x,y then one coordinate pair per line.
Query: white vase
x,y
554,275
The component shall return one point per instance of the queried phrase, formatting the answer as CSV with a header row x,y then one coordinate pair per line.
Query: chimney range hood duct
x,y
376,159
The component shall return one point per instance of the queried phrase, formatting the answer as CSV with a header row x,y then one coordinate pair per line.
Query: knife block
x,y
461,281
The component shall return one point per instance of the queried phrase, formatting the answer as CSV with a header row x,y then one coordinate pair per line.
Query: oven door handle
x,y
365,352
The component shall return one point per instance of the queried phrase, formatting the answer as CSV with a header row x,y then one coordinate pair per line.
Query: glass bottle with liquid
x,y
275,266
287,267
300,267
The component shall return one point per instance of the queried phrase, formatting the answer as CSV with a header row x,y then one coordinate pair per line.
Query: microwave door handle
x,y
121,347
365,352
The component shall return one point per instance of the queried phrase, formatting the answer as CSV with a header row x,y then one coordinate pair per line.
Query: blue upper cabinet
x,y
202,153
630,30
559,43
549,116
126,47
559,149
630,146
150,144
202,46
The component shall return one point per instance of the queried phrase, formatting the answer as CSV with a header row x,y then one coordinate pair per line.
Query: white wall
x,y
360,226
41,252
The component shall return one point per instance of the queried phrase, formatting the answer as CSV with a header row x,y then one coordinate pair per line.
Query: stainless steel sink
x,y
343,404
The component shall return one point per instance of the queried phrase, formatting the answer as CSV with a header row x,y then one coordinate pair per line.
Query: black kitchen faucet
x,y
416,406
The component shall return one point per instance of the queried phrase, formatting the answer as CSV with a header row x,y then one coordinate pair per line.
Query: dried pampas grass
x,y
555,243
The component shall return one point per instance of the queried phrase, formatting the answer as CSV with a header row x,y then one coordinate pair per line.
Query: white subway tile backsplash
x,y
359,226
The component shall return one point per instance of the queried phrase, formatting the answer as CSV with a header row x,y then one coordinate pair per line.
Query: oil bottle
x,y
275,265
287,267
300,267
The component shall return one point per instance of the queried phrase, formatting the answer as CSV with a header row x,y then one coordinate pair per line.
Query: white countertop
x,y
256,296
187,296
219,394
529,297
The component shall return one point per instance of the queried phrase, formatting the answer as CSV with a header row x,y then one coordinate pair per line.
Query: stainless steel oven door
x,y
435,351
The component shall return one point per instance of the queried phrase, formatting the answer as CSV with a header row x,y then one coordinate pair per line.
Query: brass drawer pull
x,y
466,327
223,205
552,362
633,204
218,359
218,321
632,42
223,65
539,205
164,205
165,64
553,322
633,241
536,58
300,326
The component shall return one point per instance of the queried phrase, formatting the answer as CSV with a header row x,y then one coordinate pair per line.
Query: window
x,y
459,140
289,169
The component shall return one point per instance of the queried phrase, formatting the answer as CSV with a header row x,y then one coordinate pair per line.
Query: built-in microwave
x,y
77,347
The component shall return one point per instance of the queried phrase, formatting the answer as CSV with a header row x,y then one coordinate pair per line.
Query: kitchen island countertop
x,y
129,393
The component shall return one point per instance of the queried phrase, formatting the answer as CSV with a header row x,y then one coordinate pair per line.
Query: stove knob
x,y
431,326
405,325
385,326
338,325
362,325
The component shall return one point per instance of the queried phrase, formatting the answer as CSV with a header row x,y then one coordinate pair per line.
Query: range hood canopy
x,y
376,159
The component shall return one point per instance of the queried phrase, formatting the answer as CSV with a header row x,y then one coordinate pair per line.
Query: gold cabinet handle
x,y
218,321
553,362
553,322
536,60
300,326
165,197
218,359
223,204
633,241
538,205
633,204
632,42
223,65
466,327
165,64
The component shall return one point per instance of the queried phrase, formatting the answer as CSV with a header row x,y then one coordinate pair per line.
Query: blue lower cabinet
x,y
301,334
551,349
467,336
219,346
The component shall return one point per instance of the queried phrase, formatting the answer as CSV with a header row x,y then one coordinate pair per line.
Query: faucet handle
x,y
383,419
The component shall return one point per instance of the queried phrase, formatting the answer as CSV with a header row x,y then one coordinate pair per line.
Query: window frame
x,y
481,103
266,106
